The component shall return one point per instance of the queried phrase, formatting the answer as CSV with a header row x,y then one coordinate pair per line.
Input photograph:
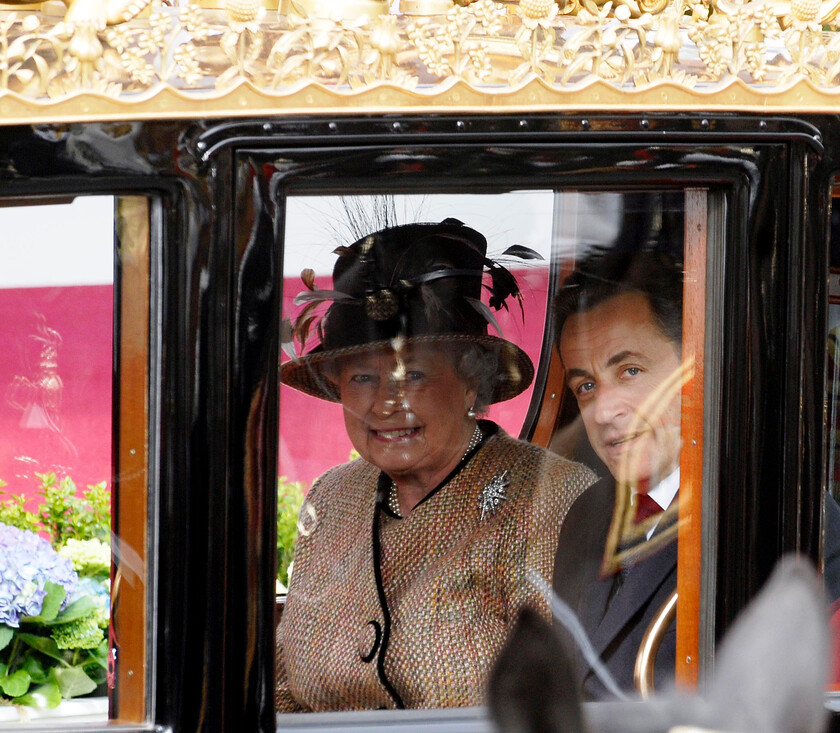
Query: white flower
x,y
89,557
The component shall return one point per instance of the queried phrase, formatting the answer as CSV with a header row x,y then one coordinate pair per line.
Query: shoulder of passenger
x,y
536,474
332,479
598,495
545,461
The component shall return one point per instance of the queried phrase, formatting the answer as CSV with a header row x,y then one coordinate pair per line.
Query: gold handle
x,y
645,668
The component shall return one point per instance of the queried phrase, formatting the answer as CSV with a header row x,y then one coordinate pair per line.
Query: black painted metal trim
x,y
219,296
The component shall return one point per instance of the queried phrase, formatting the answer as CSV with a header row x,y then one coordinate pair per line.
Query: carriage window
x,y
624,395
831,512
65,603
462,376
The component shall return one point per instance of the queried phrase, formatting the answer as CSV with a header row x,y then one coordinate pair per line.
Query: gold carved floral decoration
x,y
364,54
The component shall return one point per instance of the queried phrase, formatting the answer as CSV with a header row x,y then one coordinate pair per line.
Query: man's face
x,y
624,373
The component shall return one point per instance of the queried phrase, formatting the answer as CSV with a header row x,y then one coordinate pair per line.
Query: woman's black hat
x,y
415,283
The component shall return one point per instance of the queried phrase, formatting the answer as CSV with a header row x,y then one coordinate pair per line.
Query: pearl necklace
x,y
393,498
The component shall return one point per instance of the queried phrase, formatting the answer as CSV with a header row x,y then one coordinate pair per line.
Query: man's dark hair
x,y
606,274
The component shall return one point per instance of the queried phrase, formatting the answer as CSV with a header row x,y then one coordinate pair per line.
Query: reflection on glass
x,y
315,226
56,294
831,514
413,559
618,328
833,381
395,334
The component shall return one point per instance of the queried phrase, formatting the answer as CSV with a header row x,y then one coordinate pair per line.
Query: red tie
x,y
645,507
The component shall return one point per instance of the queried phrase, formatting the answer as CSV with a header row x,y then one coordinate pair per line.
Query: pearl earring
x,y
471,413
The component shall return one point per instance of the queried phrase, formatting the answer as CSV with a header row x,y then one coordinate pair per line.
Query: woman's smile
x,y
394,435
406,413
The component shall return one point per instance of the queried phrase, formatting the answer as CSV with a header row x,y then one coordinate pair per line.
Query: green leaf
x,y
42,644
49,609
35,668
76,610
15,684
52,601
99,656
95,672
72,681
6,634
93,669
44,696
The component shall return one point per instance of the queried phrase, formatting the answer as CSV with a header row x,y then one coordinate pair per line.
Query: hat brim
x,y
306,374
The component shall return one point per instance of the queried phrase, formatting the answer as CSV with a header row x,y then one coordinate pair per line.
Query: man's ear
x,y
532,687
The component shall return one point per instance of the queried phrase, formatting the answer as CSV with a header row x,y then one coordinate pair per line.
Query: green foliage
x,y
56,513
38,673
52,603
62,514
78,609
93,520
90,558
15,684
6,634
289,502
72,681
50,659
13,512
45,645
83,633
66,516
61,654
47,695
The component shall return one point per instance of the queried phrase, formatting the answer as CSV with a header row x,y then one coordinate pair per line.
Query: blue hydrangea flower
x,y
27,562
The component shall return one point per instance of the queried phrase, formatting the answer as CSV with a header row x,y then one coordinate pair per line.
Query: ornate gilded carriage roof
x,y
119,59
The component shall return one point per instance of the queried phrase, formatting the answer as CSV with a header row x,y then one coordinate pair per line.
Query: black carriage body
x,y
217,191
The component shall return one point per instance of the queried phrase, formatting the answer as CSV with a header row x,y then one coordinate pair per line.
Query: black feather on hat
x,y
415,283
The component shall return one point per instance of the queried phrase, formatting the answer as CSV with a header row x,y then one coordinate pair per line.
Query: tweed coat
x,y
389,612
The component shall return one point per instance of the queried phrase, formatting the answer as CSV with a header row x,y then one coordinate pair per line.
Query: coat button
x,y
369,638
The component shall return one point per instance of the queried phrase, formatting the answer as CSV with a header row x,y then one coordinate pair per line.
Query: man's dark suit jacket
x,y
615,626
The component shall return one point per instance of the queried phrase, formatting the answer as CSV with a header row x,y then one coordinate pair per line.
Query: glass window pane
x,y
58,305
831,511
59,502
315,226
424,546
630,347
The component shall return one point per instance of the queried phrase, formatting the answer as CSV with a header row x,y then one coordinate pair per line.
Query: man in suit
x,y
618,327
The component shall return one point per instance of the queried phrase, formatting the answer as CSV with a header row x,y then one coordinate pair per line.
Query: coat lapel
x,y
593,591
594,605
640,583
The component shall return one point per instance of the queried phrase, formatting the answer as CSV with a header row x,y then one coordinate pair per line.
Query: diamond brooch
x,y
493,494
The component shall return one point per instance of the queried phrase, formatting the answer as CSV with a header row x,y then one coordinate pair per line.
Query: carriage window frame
x,y
704,211
137,228
197,272
705,296
136,232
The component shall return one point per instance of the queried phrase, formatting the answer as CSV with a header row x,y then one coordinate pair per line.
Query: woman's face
x,y
406,413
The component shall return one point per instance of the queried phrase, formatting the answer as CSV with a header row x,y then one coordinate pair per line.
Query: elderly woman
x,y
412,561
